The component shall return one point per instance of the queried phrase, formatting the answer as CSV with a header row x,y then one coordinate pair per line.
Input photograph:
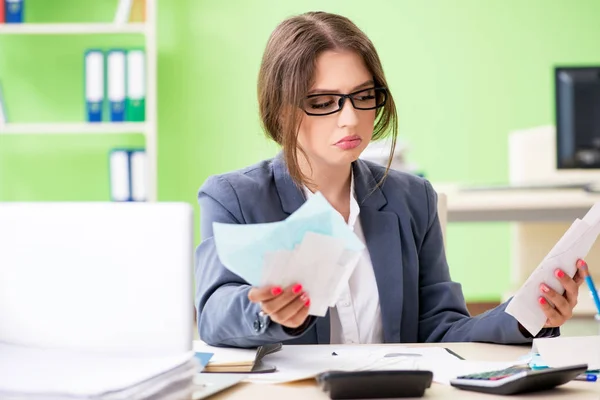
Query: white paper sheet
x,y
574,244
301,362
571,350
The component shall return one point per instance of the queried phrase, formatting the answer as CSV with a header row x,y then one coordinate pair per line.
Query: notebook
x,y
232,360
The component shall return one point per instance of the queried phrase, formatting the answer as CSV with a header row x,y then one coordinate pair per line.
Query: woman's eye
x,y
321,105
321,102
364,98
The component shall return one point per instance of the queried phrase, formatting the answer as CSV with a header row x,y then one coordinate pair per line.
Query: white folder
x,y
116,84
94,84
136,83
138,175
120,186
123,11
2,108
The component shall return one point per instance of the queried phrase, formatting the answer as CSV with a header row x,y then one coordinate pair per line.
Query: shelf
x,y
71,28
74,128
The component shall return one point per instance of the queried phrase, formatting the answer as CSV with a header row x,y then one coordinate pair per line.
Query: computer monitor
x,y
577,98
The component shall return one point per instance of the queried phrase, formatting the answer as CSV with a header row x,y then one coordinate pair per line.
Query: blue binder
x,y
94,84
116,81
14,11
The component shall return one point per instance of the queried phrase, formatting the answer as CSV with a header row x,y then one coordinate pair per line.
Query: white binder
x,y
3,118
136,85
116,84
120,178
123,11
137,162
94,84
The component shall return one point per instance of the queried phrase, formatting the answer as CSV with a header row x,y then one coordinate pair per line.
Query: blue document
x,y
242,247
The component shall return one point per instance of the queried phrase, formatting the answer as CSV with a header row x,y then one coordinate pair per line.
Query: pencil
x,y
590,283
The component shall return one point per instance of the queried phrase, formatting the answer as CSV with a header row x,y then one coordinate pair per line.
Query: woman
x,y
323,97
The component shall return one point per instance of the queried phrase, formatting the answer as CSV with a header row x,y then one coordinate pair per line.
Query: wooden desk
x,y
472,351
559,205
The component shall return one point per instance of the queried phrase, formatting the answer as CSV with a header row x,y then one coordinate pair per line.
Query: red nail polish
x,y
542,300
276,291
307,303
559,273
297,288
581,264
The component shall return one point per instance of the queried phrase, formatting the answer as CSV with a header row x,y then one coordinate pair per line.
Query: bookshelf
x,y
73,128
148,128
72,29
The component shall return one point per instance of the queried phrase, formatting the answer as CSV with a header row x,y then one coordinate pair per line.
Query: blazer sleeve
x,y
225,315
443,315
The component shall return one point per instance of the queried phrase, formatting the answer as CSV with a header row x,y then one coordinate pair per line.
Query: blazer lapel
x,y
382,234
290,194
291,199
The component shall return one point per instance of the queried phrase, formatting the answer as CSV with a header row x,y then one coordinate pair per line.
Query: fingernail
x,y
580,264
307,303
559,273
276,291
297,288
544,288
542,300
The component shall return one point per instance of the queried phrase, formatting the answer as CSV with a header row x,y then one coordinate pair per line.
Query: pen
x,y
590,283
586,377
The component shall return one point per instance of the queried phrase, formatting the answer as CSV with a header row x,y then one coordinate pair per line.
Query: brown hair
x,y
287,73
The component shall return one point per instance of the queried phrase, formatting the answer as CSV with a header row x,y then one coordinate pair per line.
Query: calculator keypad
x,y
495,375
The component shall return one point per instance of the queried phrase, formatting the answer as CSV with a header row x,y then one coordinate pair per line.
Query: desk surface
x,y
472,351
516,205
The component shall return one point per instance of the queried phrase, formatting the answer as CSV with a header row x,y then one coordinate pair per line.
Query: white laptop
x,y
97,276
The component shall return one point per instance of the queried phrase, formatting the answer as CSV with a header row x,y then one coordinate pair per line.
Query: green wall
x,y
464,73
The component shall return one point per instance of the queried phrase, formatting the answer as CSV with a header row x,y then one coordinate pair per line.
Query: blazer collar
x,y
292,196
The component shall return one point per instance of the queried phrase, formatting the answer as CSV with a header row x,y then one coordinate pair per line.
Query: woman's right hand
x,y
287,307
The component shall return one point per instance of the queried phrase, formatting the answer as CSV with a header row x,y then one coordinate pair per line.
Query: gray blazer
x,y
419,302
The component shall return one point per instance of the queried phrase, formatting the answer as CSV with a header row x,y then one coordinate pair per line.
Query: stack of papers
x,y
313,246
574,244
35,373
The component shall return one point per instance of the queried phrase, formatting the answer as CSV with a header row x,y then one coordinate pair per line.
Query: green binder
x,y
135,110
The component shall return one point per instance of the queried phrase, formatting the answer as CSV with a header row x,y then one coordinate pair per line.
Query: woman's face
x,y
337,139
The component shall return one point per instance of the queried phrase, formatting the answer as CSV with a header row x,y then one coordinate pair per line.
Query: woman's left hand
x,y
563,304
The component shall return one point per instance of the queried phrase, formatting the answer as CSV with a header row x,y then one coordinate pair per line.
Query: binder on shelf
x,y
136,86
3,117
116,84
137,162
123,12
120,186
138,11
13,11
128,175
2,12
94,85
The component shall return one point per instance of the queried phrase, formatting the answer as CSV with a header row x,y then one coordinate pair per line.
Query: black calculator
x,y
518,379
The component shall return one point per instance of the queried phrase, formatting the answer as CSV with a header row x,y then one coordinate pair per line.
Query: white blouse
x,y
356,317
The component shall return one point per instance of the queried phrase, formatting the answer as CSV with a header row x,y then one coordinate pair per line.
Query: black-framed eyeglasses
x,y
329,103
